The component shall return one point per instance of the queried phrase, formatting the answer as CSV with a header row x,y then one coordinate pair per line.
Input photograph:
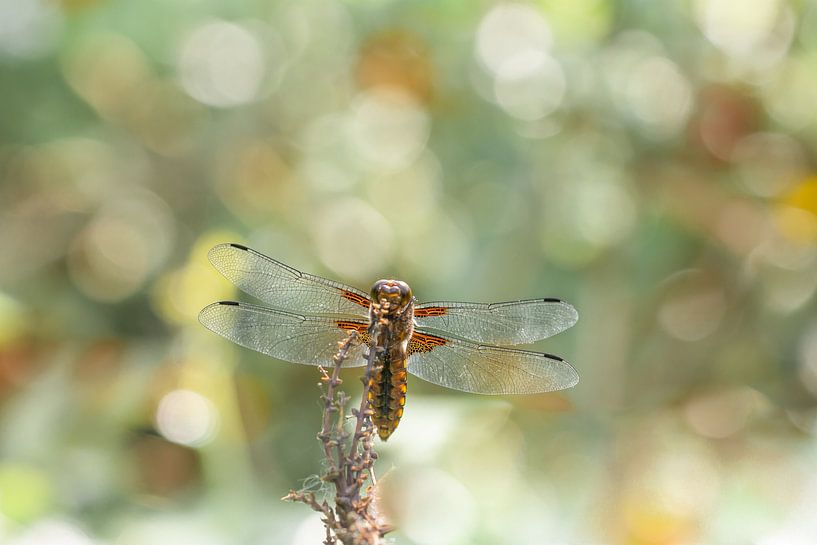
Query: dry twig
x,y
349,456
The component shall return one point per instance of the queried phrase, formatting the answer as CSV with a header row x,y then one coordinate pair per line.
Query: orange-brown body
x,y
394,307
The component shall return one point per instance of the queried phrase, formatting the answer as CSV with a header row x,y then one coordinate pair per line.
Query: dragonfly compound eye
x,y
396,293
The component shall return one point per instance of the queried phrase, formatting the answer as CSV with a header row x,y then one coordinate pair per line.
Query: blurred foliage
x,y
652,163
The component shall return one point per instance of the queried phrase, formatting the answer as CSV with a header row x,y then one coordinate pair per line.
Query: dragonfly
x,y
458,345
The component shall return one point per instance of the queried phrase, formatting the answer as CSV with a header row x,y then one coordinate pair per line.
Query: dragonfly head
x,y
395,293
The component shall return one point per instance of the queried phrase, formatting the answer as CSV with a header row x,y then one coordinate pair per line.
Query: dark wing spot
x,y
423,342
239,246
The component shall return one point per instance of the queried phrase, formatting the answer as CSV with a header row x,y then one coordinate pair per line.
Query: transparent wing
x,y
284,287
310,340
482,369
516,322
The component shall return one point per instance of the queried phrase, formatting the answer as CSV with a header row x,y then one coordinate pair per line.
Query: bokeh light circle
x,y
353,239
530,85
221,64
186,417
29,29
388,129
437,509
508,31
52,532
694,306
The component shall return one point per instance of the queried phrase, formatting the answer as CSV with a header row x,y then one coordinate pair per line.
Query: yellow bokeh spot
x,y
12,321
647,522
796,213
25,492
804,195
578,21
180,294
796,224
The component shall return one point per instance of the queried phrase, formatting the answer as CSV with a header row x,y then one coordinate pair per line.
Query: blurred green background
x,y
652,163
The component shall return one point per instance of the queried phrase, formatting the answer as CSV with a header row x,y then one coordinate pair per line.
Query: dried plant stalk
x,y
349,456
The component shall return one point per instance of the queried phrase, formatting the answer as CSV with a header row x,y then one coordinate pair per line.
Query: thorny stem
x,y
333,382
364,417
352,520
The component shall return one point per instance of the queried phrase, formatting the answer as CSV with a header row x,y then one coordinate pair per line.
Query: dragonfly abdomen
x,y
387,393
